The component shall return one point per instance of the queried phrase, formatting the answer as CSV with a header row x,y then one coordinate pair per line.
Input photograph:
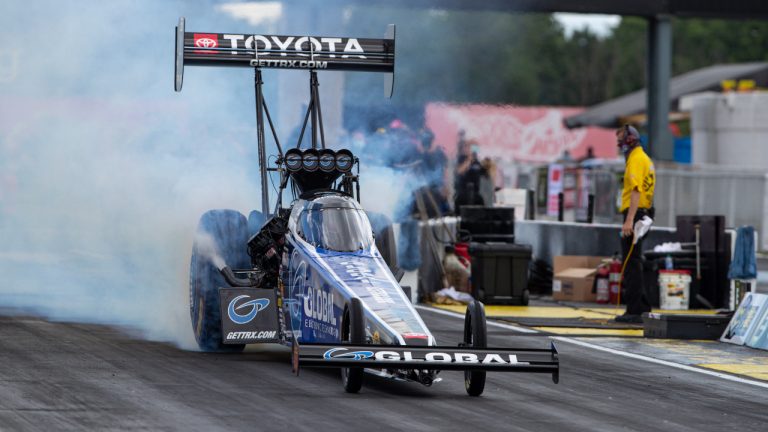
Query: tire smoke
x,y
206,245
105,170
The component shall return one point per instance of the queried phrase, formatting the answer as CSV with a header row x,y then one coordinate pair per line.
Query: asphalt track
x,y
60,376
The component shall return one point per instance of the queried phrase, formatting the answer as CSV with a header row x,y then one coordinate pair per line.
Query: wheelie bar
x,y
430,358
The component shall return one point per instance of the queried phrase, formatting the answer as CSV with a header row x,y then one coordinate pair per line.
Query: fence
x,y
740,195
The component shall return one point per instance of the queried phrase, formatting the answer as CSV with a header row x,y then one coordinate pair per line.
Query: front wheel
x,y
475,336
353,332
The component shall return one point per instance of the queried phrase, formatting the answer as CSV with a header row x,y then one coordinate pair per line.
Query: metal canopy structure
x,y
609,113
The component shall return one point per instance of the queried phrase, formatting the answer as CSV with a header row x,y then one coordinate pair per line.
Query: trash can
x,y
674,287
500,272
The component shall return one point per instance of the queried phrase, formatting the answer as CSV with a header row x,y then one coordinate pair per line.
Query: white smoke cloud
x,y
104,170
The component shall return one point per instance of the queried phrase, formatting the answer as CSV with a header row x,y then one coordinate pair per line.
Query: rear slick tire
x,y
353,332
222,232
475,336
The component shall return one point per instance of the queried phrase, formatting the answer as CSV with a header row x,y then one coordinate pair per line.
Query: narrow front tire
x,y
475,336
353,332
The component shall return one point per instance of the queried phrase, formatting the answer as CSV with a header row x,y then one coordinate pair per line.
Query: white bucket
x,y
674,289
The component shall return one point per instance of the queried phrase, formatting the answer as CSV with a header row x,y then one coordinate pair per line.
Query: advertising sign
x,y
745,319
248,315
555,180
532,134
758,338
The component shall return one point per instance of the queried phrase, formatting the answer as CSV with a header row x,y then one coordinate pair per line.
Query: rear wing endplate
x,y
285,52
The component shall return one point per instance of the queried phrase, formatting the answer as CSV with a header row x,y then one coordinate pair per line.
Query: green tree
x,y
461,56
469,57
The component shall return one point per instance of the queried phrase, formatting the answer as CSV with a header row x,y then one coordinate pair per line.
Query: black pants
x,y
632,284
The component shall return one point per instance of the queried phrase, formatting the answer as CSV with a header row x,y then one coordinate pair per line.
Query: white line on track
x,y
685,367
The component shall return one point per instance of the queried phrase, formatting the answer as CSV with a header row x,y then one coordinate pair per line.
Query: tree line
x,y
527,59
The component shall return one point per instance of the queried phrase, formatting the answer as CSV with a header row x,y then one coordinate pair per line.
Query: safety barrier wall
x,y
550,239
740,195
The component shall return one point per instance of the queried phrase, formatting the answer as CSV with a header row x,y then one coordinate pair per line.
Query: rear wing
x,y
285,52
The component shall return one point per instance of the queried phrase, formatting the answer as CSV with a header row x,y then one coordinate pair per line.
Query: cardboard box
x,y
564,262
574,278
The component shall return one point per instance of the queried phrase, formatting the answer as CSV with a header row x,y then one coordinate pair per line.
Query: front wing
x,y
428,358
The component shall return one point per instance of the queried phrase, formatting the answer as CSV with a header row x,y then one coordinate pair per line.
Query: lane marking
x,y
492,323
564,312
534,311
591,331
750,370
726,377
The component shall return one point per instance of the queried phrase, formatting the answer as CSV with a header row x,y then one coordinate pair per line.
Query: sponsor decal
x,y
429,357
341,353
320,47
256,305
296,289
318,305
252,335
206,40
290,64
311,309
359,272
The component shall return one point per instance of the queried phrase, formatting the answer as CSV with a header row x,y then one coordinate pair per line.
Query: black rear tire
x,y
226,231
353,332
475,336
255,222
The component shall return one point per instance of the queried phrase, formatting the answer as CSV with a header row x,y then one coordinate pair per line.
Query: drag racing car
x,y
310,274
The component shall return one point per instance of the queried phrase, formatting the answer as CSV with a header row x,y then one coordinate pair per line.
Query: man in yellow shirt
x,y
636,202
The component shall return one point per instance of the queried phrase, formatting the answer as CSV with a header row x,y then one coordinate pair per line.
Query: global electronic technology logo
x,y
256,305
340,353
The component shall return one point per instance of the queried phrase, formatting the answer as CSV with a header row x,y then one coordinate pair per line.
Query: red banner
x,y
526,134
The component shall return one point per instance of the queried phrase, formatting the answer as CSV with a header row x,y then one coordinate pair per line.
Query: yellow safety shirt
x,y
640,175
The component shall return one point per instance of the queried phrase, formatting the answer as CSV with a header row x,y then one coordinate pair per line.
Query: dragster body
x,y
310,274
332,257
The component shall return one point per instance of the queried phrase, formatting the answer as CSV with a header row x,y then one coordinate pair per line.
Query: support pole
x,y
261,141
530,204
312,87
316,97
304,124
660,144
